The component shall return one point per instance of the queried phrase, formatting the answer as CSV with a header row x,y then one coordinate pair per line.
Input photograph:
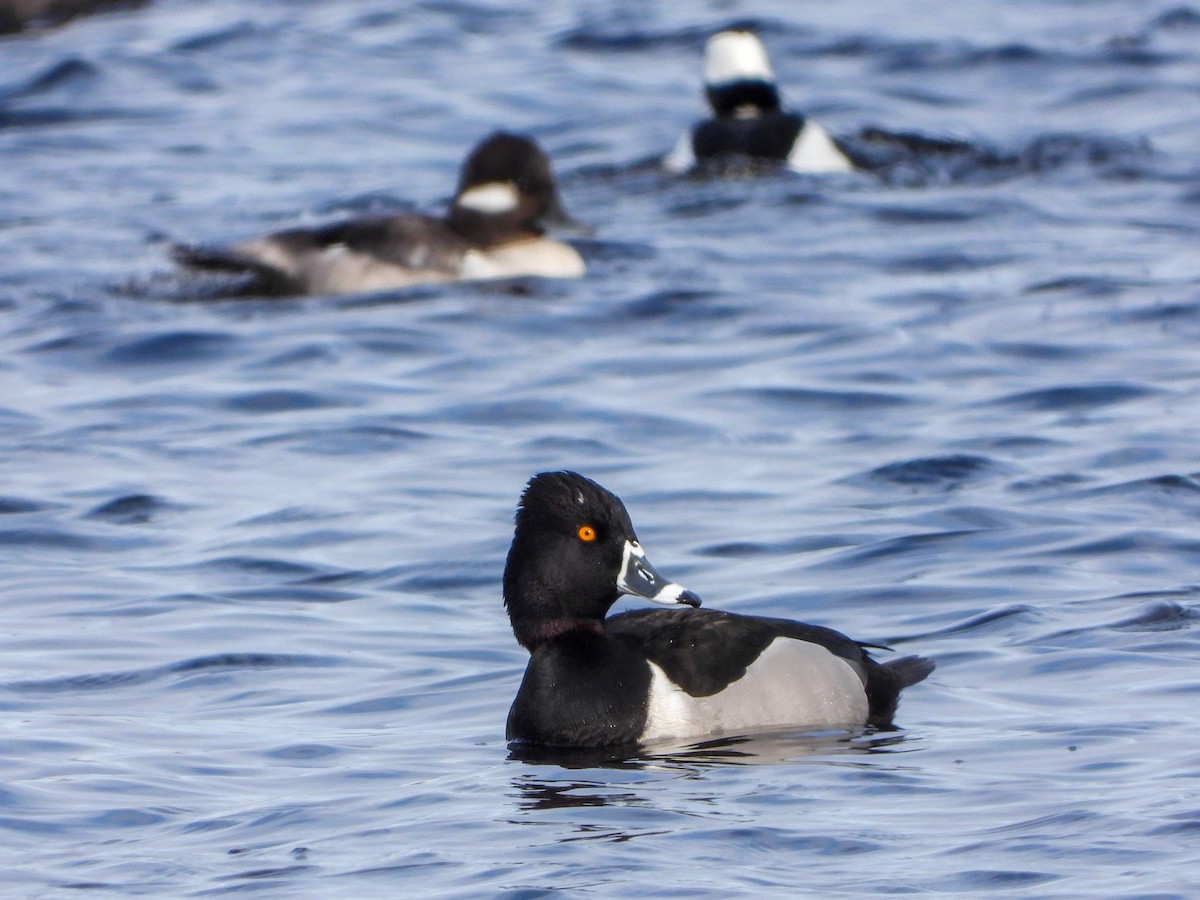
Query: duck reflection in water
x,y
535,791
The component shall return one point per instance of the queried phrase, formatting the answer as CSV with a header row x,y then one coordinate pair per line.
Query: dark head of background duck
x,y
515,160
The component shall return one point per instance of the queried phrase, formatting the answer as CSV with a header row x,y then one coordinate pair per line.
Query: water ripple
x,y
102,681
173,348
132,509
813,399
280,401
942,472
11,506
1074,398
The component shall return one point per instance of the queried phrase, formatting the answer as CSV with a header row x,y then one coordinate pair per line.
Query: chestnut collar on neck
x,y
555,628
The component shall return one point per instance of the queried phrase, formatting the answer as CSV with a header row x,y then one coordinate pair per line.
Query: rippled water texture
x,y
250,549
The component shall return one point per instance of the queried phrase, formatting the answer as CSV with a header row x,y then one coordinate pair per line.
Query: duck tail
x,y
258,277
909,670
216,259
885,682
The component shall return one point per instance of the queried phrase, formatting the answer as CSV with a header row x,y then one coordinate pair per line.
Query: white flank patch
x,y
736,56
491,198
792,684
815,151
540,257
682,158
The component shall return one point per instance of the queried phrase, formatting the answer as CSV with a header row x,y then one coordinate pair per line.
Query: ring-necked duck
x,y
671,673
494,229
747,117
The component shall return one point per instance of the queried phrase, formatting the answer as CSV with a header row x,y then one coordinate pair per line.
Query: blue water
x,y
250,549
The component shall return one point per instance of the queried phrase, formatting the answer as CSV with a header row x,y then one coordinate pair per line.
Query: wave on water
x,y
99,681
911,159
766,748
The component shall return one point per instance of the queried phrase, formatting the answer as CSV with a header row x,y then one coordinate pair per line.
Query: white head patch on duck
x,y
736,56
492,198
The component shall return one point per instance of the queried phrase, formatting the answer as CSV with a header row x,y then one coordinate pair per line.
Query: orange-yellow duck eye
x,y
587,533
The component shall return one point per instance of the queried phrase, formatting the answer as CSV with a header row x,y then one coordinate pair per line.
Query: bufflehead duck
x,y
748,120
494,229
683,673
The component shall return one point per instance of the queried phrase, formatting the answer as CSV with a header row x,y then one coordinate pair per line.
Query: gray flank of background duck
x,y
645,675
506,198
748,118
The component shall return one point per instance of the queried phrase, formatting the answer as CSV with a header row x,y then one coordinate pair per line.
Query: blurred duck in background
x,y
17,15
748,121
506,198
